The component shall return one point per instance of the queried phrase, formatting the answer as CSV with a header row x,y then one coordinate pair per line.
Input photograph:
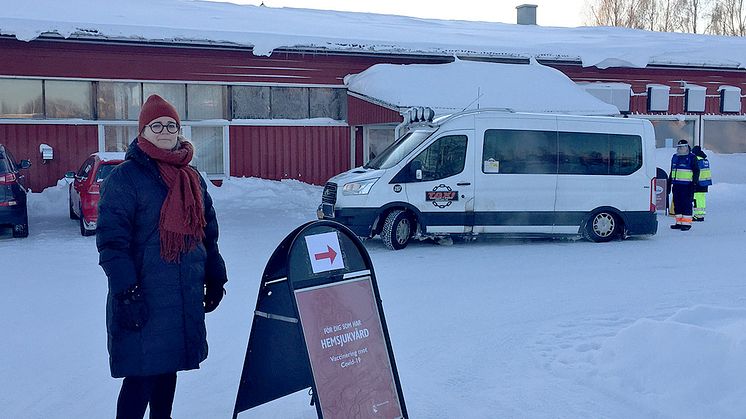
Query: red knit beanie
x,y
156,107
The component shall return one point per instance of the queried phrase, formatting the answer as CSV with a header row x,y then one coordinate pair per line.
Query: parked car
x,y
13,211
84,189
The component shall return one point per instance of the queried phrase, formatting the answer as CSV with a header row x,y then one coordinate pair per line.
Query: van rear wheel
x,y
603,226
397,230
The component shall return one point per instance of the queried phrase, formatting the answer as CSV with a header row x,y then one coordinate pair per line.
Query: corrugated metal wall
x,y
71,144
311,154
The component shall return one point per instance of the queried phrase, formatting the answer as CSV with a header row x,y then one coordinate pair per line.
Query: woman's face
x,y
157,132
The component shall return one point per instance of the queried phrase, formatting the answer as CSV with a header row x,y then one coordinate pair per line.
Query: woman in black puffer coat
x,y
157,240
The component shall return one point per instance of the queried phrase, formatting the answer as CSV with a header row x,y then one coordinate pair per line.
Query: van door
x,y
445,193
516,174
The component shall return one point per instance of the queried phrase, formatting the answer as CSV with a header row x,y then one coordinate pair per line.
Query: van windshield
x,y
401,148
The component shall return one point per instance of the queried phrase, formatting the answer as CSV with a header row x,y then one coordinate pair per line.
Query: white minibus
x,y
494,171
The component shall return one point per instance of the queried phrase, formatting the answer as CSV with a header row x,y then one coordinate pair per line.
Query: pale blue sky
x,y
549,13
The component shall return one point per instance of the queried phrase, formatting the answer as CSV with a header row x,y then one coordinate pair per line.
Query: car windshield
x,y
401,148
103,171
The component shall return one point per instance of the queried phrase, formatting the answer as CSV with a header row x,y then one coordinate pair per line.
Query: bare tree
x,y
665,15
727,17
692,14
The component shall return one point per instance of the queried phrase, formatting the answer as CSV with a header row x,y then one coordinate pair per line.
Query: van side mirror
x,y
24,164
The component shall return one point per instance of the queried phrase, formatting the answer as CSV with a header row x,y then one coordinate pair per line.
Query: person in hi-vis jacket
x,y
700,188
683,176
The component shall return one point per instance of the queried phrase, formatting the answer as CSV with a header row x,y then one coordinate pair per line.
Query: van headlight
x,y
361,187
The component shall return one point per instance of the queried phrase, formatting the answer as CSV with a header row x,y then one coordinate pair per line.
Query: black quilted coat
x,y
174,337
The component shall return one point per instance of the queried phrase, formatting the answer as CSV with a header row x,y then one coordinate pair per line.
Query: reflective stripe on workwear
x,y
681,169
705,176
700,204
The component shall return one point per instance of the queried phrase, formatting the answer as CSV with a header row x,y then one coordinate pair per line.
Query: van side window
x,y
599,154
443,158
566,153
519,152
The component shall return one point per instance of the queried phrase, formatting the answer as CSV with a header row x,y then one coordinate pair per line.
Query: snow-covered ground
x,y
646,327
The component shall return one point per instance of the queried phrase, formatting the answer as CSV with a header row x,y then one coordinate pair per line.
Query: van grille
x,y
329,196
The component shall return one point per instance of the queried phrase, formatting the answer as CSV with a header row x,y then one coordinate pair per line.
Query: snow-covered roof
x,y
470,84
266,29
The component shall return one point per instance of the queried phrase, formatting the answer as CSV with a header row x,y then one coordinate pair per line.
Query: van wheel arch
x,y
384,211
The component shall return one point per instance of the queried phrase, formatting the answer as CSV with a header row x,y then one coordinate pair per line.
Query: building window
x,y
328,103
173,93
724,136
669,132
289,102
208,149
378,138
206,101
21,98
118,101
118,137
68,99
250,102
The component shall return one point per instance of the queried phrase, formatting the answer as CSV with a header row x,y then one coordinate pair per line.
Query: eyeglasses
x,y
157,127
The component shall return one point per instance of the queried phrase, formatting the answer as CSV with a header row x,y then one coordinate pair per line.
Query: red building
x,y
289,114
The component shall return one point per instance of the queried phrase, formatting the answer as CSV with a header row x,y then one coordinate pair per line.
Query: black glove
x,y
213,295
131,309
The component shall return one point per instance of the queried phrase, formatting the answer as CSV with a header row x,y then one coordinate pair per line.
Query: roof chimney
x,y
526,14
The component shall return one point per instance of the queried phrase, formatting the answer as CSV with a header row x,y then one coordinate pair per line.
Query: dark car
x,y
13,211
84,190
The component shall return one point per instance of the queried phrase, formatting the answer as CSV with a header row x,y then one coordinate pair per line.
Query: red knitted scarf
x,y
182,223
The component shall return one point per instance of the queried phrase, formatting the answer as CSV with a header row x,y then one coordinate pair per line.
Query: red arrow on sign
x,y
329,254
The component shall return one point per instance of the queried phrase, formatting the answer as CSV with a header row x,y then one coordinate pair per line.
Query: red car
x,y
84,190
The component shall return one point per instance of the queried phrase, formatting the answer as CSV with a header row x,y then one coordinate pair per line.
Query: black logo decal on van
x,y
441,196
397,188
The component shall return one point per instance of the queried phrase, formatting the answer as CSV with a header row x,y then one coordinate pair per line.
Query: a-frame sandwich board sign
x,y
319,323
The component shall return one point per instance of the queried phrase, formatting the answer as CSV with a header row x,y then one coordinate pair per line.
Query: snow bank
x,y
689,365
254,193
51,201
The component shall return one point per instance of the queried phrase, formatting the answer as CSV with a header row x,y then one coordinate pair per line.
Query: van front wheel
x,y
603,226
397,230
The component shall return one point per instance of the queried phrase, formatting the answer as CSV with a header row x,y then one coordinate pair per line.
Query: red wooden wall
x,y
310,154
71,145
362,112
42,58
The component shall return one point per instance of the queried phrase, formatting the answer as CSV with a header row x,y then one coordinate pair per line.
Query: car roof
x,y
110,156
